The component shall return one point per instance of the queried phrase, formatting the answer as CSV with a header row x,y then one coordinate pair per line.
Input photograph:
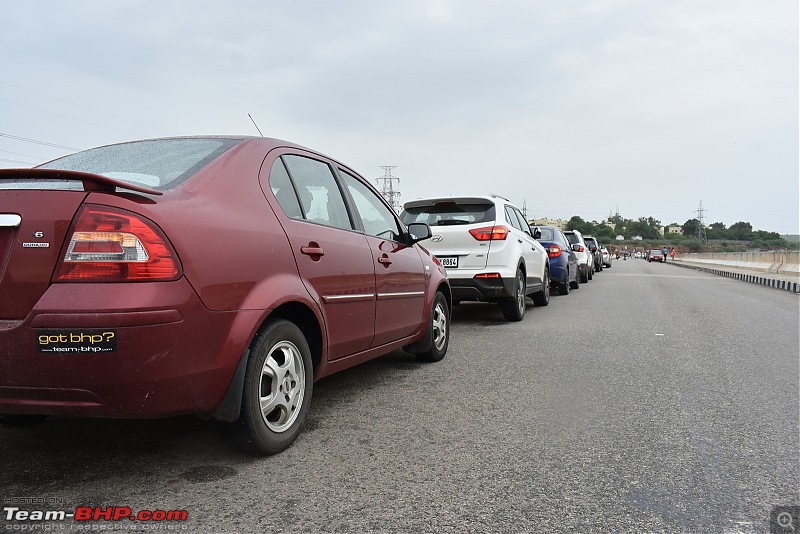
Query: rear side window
x,y
156,163
511,218
450,213
320,198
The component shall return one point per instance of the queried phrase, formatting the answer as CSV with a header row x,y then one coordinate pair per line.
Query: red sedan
x,y
655,255
213,275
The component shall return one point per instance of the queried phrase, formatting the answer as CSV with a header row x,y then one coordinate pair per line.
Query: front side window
x,y
523,223
377,218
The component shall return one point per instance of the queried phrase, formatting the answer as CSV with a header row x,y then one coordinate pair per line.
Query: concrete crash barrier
x,y
771,262
779,270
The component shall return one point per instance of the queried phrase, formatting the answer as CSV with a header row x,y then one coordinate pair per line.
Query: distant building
x,y
559,223
620,238
669,230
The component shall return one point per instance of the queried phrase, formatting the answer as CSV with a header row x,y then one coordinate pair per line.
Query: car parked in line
x,y
584,255
489,250
607,257
209,275
594,248
655,255
563,261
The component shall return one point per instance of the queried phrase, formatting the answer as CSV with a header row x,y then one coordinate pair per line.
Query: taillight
x,y
580,248
113,245
554,251
490,233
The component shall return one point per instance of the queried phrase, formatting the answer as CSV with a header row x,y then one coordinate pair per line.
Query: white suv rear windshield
x,y
449,213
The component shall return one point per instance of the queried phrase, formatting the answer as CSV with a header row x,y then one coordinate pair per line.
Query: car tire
x,y
591,274
514,307
584,276
563,288
440,326
575,284
277,389
542,298
21,419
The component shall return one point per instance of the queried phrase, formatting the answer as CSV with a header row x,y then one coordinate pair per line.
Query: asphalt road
x,y
652,399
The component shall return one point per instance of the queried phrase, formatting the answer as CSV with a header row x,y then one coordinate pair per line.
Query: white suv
x,y
488,249
585,257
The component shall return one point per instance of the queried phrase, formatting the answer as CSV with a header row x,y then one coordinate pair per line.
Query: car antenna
x,y
256,125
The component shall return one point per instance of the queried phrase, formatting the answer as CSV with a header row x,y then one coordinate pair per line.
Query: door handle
x,y
385,260
313,250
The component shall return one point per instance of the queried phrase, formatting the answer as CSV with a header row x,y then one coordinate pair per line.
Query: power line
x,y
85,107
68,117
17,161
36,141
21,154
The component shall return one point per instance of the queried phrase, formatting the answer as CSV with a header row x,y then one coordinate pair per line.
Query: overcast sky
x,y
572,107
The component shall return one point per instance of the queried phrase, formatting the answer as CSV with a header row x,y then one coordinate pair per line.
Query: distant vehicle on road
x,y
594,248
607,257
585,257
655,255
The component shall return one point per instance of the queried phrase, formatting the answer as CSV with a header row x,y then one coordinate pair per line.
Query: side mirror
x,y
419,231
576,247
537,234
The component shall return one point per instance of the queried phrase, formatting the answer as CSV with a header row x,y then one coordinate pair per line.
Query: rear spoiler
x,y
91,182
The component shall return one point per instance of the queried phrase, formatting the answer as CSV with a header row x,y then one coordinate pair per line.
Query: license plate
x,y
449,262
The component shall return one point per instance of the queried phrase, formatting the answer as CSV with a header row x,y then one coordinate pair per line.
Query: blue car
x,y
563,262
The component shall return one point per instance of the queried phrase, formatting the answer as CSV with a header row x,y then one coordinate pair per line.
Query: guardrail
x,y
778,269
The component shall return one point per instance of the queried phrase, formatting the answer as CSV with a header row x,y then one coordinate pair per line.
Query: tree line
x,y
738,236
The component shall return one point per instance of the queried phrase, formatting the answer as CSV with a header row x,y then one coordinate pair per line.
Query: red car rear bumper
x,y
120,350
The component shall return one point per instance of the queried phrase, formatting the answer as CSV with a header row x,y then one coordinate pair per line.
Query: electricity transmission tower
x,y
387,189
701,226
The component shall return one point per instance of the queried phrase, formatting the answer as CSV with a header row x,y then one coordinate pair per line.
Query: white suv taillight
x,y
490,233
112,245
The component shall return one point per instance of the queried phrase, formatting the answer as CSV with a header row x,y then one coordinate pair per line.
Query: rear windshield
x,y
572,238
156,163
449,213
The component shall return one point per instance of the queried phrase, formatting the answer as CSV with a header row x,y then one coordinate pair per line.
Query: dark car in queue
x,y
208,275
563,262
